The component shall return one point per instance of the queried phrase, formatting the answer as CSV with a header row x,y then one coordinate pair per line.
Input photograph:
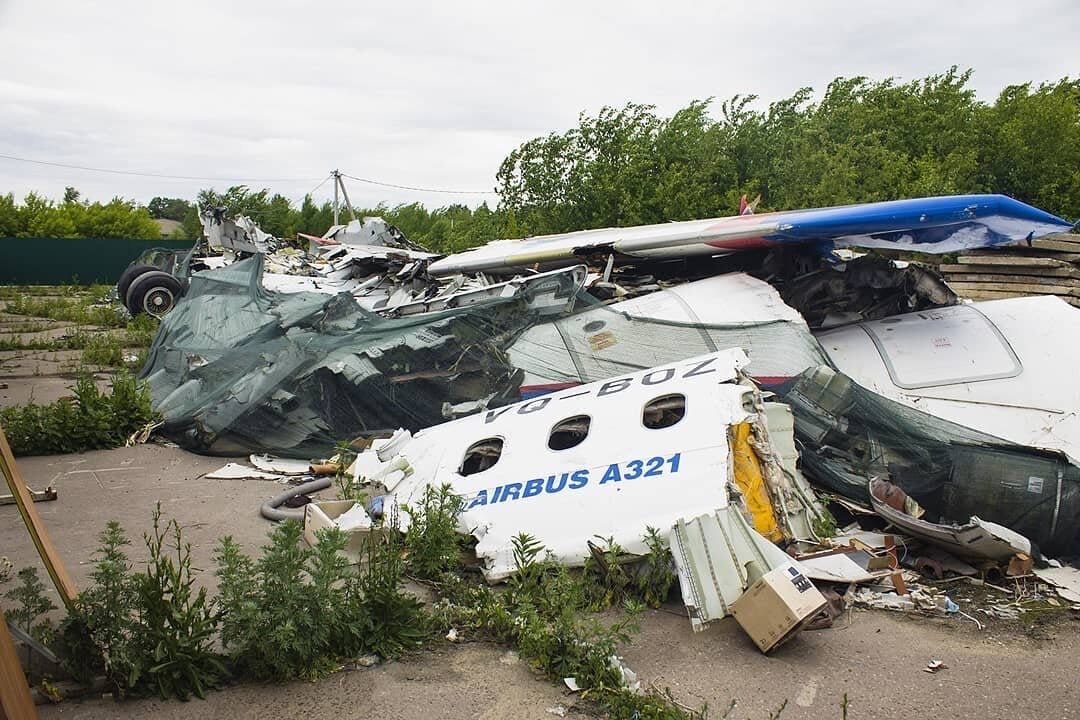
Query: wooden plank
x,y
955,278
15,700
1065,272
1021,260
1056,245
1028,253
1000,295
49,556
1073,238
1019,288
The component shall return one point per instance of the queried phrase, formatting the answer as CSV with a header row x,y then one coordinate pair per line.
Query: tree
x,y
169,208
862,141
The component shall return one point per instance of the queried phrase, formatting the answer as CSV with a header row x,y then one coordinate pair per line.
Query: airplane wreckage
x,y
691,376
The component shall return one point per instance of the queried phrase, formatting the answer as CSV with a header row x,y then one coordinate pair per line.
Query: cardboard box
x,y
775,608
319,515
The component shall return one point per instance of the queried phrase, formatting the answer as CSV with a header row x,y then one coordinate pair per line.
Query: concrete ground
x,y
876,658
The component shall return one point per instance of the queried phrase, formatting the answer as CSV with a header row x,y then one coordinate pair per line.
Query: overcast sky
x,y
436,94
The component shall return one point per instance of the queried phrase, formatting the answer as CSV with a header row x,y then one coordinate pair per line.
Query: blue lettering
x,y
551,488
533,487
579,479
480,499
612,474
510,491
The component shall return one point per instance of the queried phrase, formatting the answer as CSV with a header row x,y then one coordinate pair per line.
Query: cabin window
x,y
664,411
569,433
481,455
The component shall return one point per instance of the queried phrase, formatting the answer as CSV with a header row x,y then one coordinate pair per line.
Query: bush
x,y
147,632
89,421
432,538
296,610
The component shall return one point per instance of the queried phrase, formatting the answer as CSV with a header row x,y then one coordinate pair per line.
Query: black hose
x,y
270,511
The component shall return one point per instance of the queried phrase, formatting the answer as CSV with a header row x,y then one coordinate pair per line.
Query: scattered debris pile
x,y
238,368
623,397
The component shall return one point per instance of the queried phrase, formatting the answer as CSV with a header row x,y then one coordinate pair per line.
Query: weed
x,y
103,349
655,576
296,610
432,539
176,625
149,631
96,637
344,455
91,420
140,331
31,604
81,310
608,581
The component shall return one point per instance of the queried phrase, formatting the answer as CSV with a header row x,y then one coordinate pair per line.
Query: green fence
x,y
55,261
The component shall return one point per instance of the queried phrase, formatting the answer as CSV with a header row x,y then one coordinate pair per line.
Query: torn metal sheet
x,y
280,466
932,225
238,368
1066,581
236,471
664,326
841,567
606,460
977,539
717,556
848,434
1005,368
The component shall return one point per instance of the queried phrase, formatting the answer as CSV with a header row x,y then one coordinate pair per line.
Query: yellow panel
x,y
751,483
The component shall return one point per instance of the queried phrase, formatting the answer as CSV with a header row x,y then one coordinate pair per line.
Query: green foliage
x,y
608,580
168,208
862,141
432,539
539,613
40,217
176,624
656,572
89,421
96,637
82,310
149,632
102,349
30,604
296,610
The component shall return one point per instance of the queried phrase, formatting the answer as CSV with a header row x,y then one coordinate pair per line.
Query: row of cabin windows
x,y
658,413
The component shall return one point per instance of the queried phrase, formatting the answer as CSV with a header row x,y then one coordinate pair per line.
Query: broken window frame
x,y
647,407
561,430
474,450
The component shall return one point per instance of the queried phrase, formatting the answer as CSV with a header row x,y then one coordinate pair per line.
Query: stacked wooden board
x,y
1051,266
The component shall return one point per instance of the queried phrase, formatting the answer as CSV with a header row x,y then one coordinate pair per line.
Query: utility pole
x,y
339,184
337,180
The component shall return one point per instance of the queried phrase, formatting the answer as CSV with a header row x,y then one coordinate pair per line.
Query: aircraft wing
x,y
932,225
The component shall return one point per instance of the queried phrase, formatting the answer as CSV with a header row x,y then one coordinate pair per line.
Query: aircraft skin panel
x,y
1002,367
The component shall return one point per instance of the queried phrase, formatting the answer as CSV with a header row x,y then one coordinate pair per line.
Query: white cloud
x,y
437,94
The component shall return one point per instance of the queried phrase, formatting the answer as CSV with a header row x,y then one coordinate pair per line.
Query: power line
x,y
312,190
153,175
418,189
166,176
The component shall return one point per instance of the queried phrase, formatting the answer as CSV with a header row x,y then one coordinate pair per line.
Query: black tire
x,y
128,276
154,292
